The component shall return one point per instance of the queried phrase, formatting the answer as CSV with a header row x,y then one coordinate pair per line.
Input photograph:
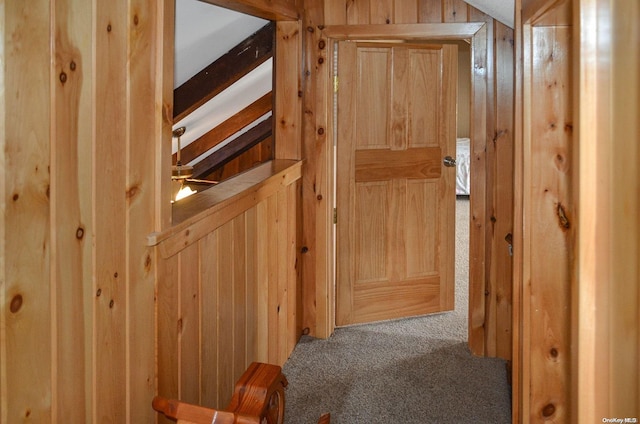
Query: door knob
x,y
449,161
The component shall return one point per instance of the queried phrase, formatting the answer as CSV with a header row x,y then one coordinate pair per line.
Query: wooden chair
x,y
258,398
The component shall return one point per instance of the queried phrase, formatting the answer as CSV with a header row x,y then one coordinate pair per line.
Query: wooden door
x,y
396,120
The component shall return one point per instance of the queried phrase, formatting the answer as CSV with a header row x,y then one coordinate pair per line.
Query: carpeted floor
x,y
416,370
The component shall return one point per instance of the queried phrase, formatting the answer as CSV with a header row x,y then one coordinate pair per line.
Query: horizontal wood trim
x,y
199,215
376,165
450,31
266,9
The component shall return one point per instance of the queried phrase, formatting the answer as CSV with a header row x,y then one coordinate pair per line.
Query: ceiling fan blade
x,y
197,181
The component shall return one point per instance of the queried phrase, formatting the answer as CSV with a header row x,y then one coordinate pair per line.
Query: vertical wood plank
x,y
358,12
291,261
239,282
209,251
405,12
3,202
167,313
26,333
262,283
141,176
226,308
71,212
288,103
477,249
429,11
251,313
281,283
455,11
503,192
109,188
189,324
315,153
273,293
164,110
381,12
335,11
551,216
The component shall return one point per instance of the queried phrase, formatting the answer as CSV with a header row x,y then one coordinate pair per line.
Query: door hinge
x,y
335,83
335,215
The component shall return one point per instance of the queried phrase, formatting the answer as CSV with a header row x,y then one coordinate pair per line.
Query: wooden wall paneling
x,y
503,193
145,131
552,213
239,299
358,11
478,213
109,187
225,311
209,301
294,329
488,201
406,12
3,205
606,297
262,282
430,11
455,11
164,54
381,12
189,322
71,214
27,312
273,292
316,186
288,102
281,282
335,11
168,322
518,390
624,311
251,274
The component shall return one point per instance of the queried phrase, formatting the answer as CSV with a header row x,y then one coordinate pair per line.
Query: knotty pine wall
x,y
81,121
490,334
85,130
228,294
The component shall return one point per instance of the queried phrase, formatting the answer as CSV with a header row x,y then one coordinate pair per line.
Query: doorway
x,y
476,34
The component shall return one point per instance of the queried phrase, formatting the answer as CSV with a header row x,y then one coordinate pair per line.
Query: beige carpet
x,y
416,370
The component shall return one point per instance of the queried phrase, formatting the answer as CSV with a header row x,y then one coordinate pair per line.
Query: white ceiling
x,y
502,10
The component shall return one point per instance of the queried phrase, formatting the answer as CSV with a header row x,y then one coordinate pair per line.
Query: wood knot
x,y
16,303
304,249
321,60
322,44
111,304
310,29
320,131
306,331
115,274
98,292
72,65
80,233
554,352
15,197
109,28
136,20
562,217
147,263
548,410
63,77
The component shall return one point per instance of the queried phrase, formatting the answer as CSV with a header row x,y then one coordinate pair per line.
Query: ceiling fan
x,y
181,174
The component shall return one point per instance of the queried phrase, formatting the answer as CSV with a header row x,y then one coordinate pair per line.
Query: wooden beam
x,y
226,129
222,73
233,149
266,9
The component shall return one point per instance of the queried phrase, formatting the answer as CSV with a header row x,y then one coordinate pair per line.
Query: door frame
x,y
476,34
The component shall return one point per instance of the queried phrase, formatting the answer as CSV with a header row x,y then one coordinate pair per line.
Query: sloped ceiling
x,y
203,33
502,10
